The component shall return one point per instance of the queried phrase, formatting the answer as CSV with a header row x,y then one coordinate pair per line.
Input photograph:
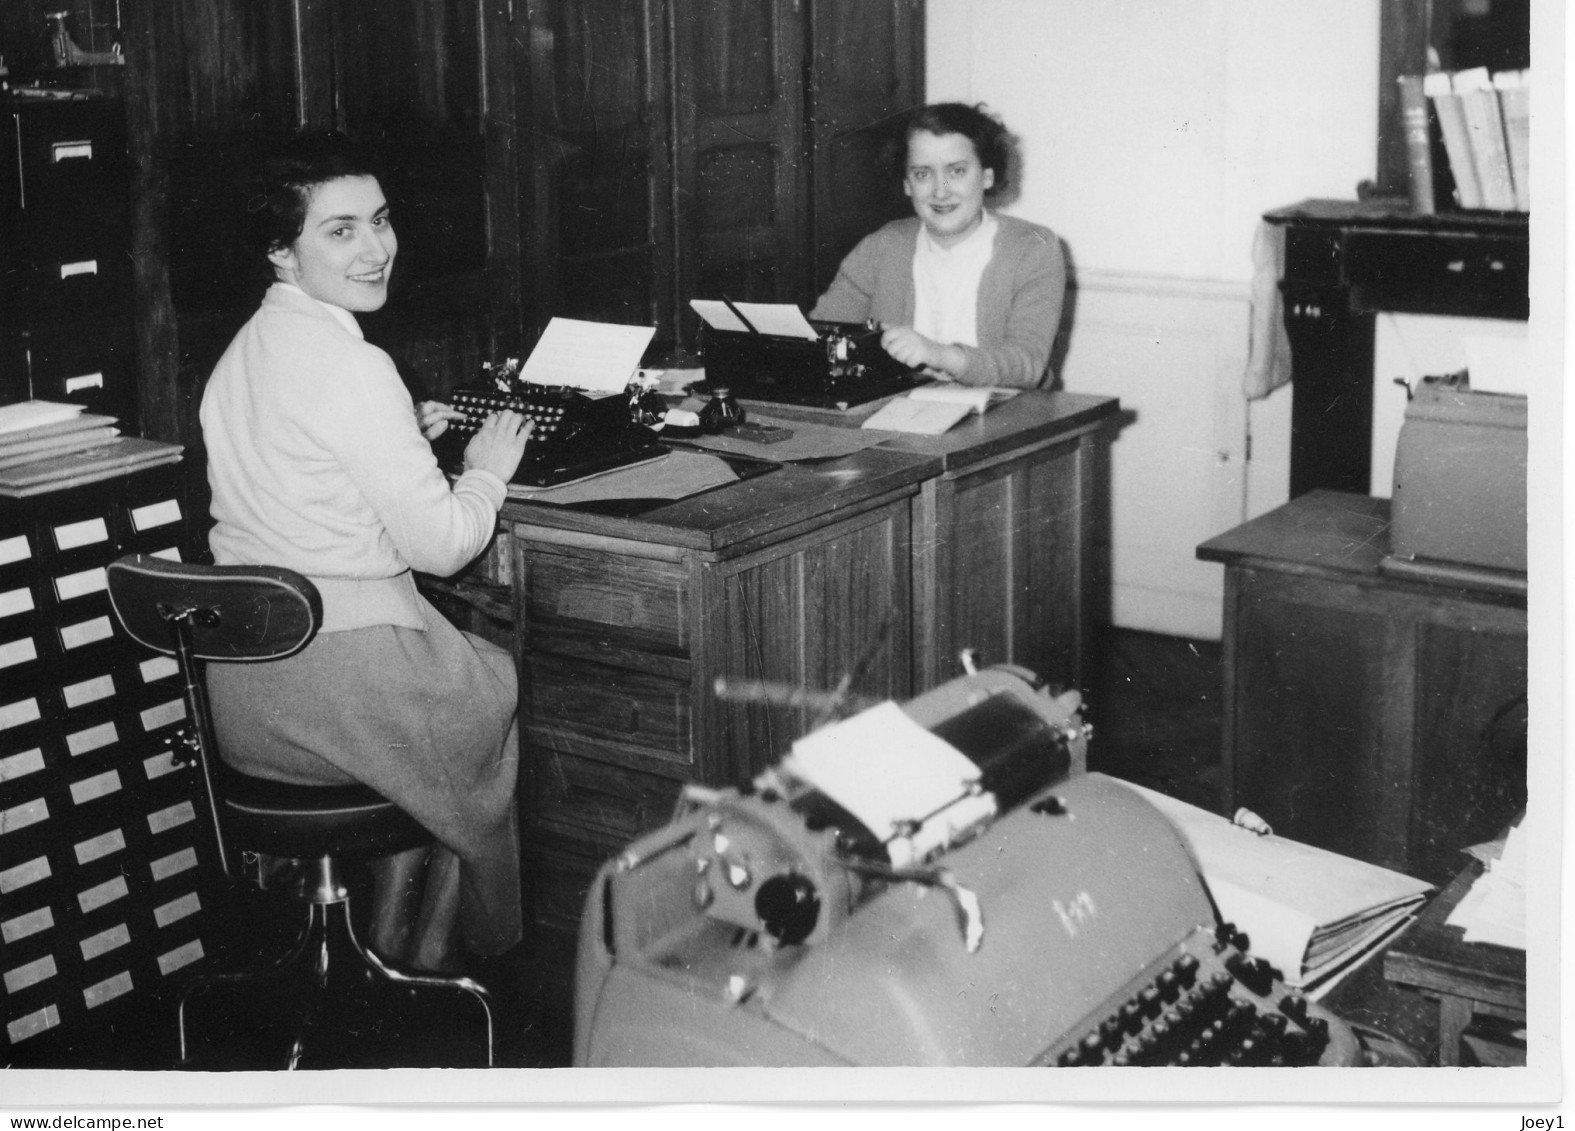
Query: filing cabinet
x,y
65,256
107,856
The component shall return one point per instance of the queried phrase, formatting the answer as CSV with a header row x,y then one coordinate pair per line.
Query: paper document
x,y
1494,910
783,319
1309,912
597,357
978,398
892,774
35,414
925,418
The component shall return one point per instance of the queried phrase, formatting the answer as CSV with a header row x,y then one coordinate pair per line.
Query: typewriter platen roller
x,y
1060,921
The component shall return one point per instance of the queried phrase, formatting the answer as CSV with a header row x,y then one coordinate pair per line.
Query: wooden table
x,y
1467,979
1378,716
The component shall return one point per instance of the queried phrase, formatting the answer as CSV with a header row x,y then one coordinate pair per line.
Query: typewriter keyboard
x,y
1208,1003
544,405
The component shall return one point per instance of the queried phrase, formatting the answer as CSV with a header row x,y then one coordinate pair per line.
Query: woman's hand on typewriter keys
x,y
499,444
433,416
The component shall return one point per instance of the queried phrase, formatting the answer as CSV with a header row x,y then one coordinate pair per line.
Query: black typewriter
x,y
843,366
574,435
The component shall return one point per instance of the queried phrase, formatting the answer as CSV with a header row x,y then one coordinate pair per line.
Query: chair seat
x,y
304,821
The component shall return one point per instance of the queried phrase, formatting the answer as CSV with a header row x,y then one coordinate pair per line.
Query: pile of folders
x,y
47,446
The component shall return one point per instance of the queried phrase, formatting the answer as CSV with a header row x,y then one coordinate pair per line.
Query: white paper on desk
x,y
780,318
35,414
977,397
1494,910
598,357
924,418
886,769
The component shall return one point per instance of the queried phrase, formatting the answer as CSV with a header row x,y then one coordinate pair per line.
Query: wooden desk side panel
x,y
1001,566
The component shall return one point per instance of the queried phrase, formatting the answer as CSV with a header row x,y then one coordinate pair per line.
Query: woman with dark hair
x,y
962,292
319,462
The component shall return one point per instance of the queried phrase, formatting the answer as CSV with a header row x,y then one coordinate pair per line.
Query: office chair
x,y
248,614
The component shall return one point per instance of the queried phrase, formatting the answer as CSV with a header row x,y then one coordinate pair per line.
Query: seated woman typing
x,y
317,462
964,293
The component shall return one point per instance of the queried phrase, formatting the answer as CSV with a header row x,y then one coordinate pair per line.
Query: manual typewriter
x,y
574,435
843,366
1043,916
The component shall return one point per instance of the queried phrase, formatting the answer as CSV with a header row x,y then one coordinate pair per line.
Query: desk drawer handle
x,y
1495,265
1457,265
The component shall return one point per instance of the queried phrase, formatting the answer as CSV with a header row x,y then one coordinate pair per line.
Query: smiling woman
x,y
318,463
961,292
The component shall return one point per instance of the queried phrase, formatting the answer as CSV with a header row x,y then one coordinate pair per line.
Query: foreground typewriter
x,y
1038,915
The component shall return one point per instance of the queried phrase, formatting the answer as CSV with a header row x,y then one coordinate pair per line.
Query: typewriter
x,y
842,367
574,435
1035,915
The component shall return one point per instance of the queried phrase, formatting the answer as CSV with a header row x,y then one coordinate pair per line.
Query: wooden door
x,y
866,70
595,144
741,180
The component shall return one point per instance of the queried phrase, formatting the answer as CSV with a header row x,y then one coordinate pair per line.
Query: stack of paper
x,y
932,409
1494,910
1311,913
45,446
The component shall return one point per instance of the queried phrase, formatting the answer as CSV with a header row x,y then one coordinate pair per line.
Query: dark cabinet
x,y
65,264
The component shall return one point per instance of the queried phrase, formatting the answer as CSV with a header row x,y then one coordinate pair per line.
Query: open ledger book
x,y
1314,914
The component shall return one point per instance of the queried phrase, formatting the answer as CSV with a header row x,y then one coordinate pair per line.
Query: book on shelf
x,y
1451,114
1313,914
1415,124
1514,99
1485,124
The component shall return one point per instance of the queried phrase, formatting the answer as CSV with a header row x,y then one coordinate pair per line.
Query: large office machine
x,y
842,366
940,883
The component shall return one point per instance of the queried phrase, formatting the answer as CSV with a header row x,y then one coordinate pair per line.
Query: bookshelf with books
x,y
1484,121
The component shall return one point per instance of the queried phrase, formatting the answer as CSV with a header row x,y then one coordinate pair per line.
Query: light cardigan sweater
x,y
1019,303
317,463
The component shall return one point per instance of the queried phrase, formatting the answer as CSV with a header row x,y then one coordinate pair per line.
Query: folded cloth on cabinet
x,y
1268,345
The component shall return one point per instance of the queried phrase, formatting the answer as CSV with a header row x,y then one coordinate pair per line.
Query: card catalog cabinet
x,y
65,256
106,853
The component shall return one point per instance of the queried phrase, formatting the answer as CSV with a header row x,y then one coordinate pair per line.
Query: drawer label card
x,y
14,549
107,990
78,267
14,652
172,818
158,668
20,713
73,585
105,941
99,785
14,601
101,894
155,514
159,765
163,714
173,864
92,739
32,1024
85,533
96,848
28,872
89,690
172,960
25,926
86,632
30,973
177,909
20,765
169,554
23,815
71,151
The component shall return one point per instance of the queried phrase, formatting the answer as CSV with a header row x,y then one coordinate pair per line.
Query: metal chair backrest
x,y
236,614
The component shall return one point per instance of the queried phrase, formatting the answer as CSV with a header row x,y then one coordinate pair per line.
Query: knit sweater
x,y
1019,303
317,463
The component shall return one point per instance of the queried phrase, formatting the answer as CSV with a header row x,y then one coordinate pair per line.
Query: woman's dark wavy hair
x,y
990,139
277,210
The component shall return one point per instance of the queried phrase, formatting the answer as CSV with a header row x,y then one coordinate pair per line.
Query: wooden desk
x,y
1467,979
1345,260
799,577
1377,716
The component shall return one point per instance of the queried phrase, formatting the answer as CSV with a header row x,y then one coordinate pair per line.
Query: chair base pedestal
x,y
333,1003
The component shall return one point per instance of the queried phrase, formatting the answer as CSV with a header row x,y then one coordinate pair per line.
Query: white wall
x,y
1154,135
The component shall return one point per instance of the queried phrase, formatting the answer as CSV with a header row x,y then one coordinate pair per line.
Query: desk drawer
x,y
587,798
638,598
1438,274
634,718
